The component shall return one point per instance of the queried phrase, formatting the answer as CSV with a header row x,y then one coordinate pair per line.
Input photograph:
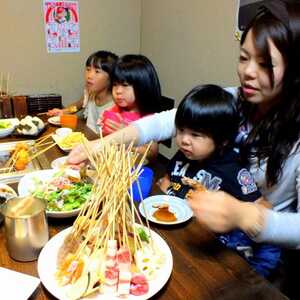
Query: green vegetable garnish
x,y
143,235
65,199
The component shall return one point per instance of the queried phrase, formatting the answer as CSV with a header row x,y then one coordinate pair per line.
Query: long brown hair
x,y
274,137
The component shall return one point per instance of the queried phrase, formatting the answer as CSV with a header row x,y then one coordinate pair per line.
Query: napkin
x,y
15,285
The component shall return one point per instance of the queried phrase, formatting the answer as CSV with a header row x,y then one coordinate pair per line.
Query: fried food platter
x,y
8,176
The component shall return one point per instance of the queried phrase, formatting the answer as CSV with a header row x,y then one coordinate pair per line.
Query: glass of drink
x,y
68,120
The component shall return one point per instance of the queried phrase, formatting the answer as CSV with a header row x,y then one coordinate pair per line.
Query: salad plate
x,y
47,184
7,126
47,269
177,206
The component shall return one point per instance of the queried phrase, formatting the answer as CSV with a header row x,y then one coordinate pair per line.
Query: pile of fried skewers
x,y
24,153
109,250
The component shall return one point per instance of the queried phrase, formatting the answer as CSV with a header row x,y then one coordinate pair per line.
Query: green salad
x,y
62,193
4,124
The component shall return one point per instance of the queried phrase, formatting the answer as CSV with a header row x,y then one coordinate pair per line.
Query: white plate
x,y
15,285
7,131
10,191
47,269
177,206
57,139
59,162
26,185
54,120
7,193
14,176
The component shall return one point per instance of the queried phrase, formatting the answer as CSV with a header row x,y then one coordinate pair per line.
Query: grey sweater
x,y
282,226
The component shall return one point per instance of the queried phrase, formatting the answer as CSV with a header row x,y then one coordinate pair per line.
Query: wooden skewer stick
x,y
42,138
42,151
1,84
42,113
7,80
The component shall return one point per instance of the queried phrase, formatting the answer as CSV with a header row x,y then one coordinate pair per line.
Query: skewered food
x,y
20,156
109,251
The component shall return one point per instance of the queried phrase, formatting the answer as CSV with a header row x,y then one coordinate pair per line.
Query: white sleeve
x,y
157,127
281,228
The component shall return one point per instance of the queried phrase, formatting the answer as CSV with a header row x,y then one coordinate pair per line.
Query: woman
x,y
269,100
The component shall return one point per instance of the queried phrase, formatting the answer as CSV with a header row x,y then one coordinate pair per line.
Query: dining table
x,y
203,269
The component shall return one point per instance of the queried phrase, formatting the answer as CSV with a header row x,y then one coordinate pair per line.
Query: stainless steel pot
x,y
26,227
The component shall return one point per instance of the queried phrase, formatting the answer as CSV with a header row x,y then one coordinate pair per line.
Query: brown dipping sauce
x,y
163,214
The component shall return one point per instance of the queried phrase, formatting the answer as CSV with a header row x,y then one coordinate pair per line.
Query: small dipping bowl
x,y
63,132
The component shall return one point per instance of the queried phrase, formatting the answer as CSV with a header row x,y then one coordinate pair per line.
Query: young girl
x,y
97,93
136,93
206,125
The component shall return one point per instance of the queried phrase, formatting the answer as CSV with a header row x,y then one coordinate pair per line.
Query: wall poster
x,y
61,26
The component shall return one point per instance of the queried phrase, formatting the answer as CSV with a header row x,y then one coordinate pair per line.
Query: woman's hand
x,y
78,155
221,212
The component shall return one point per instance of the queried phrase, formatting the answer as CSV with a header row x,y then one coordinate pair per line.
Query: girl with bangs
x,y
136,93
97,92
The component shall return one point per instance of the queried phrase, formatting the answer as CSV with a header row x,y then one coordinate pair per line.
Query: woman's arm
x,y
281,228
155,127
221,213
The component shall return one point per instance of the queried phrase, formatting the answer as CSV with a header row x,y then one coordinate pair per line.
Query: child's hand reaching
x,y
111,122
164,183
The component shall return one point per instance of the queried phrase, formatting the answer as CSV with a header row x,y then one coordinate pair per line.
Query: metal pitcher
x,y
26,227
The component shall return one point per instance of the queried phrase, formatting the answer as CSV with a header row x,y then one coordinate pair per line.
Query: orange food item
x,y
21,164
21,154
70,270
163,214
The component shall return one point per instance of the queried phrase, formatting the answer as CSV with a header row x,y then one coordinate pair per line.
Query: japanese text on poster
x,y
62,26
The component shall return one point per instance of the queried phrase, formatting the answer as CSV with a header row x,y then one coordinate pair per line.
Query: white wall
x,y
190,42
104,24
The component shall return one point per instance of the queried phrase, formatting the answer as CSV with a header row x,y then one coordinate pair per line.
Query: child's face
x,y
194,145
123,95
96,80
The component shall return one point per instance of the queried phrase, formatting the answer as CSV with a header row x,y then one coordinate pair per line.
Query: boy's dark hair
x,y
104,60
211,110
138,71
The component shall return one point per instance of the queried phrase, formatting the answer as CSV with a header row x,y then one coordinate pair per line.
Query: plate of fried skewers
x,y
108,253
20,158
